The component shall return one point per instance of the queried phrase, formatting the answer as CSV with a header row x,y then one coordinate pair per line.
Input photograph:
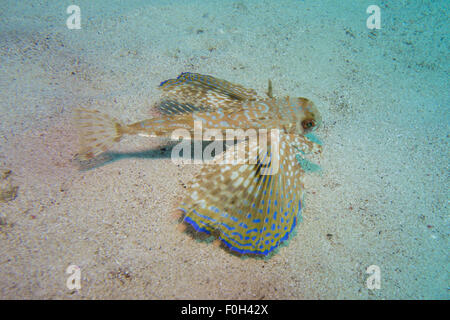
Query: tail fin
x,y
97,132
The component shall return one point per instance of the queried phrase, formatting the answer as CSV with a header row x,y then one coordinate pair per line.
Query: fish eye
x,y
308,124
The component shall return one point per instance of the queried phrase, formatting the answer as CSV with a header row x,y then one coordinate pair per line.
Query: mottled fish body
x,y
249,207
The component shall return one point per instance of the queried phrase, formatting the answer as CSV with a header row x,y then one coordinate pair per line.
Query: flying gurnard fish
x,y
250,210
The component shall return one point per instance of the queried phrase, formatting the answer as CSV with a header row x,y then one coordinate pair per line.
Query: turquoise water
x,y
380,196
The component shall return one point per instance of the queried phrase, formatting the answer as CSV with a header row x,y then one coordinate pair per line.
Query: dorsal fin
x,y
192,96
232,90
173,107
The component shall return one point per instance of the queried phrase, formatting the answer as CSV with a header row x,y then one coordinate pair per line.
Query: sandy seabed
x,y
380,199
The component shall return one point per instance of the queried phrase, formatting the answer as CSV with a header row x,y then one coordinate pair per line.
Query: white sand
x,y
382,196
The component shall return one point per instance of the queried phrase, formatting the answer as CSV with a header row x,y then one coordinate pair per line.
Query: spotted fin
x,y
172,107
252,212
210,83
200,98
97,132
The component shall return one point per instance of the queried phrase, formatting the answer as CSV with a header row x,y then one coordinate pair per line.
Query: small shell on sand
x,y
8,191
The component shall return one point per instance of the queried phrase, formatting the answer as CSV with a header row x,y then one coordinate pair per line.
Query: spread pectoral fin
x,y
253,207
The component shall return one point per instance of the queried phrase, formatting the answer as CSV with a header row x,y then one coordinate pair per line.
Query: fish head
x,y
309,116
301,113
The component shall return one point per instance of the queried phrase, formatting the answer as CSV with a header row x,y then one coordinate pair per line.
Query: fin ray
x,y
98,132
210,83
252,212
